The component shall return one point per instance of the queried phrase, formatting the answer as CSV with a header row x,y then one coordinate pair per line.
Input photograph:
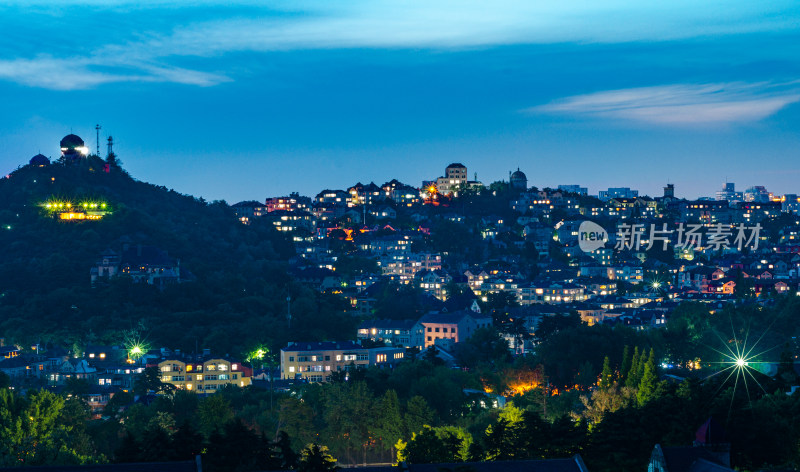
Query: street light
x,y
261,353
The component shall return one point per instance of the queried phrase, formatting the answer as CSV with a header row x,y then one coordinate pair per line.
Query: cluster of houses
x,y
105,370
534,256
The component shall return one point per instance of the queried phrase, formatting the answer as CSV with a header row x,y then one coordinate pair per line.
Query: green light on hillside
x,y
85,210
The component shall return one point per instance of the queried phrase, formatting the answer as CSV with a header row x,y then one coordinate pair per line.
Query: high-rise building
x,y
729,193
757,194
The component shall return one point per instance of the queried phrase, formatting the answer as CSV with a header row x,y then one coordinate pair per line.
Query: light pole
x,y
260,354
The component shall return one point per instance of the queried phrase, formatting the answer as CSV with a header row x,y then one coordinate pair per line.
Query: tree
x,y
295,420
389,422
150,381
418,414
349,415
632,380
212,414
33,430
502,438
626,363
285,455
604,401
432,445
186,442
647,386
606,375
786,375
316,458
550,325
485,345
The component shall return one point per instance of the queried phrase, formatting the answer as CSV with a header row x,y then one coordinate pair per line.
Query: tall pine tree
x,y
647,386
605,375
632,380
626,363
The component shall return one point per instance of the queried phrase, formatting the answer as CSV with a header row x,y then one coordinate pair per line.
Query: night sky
x,y
245,102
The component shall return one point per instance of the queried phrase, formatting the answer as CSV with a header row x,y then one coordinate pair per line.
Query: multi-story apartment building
x,y
617,192
397,333
452,327
455,176
404,267
293,202
204,376
248,210
316,362
556,292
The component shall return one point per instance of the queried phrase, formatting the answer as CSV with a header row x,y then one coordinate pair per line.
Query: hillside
x,y
235,281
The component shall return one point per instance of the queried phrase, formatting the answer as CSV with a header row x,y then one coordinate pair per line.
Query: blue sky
x,y
263,98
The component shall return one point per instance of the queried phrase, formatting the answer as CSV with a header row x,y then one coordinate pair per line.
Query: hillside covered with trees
x,y
235,285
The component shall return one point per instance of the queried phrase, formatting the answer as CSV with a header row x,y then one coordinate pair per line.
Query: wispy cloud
x,y
681,104
84,73
145,49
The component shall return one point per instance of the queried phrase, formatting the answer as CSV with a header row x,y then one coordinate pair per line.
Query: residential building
x,y
577,189
292,221
617,192
147,264
203,375
248,210
447,328
317,361
292,202
554,292
395,333
434,282
404,267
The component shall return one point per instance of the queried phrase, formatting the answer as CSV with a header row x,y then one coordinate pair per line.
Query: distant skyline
x,y
248,101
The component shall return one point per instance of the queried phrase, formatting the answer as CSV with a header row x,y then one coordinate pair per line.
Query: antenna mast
x,y
97,148
288,308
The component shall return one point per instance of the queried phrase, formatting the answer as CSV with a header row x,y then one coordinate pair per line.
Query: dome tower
x,y
519,180
73,148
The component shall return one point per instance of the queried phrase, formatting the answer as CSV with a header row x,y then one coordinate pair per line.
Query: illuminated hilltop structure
x,y
73,149
85,210
71,207
39,160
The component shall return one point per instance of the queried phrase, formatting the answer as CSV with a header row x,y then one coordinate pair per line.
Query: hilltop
x,y
234,277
